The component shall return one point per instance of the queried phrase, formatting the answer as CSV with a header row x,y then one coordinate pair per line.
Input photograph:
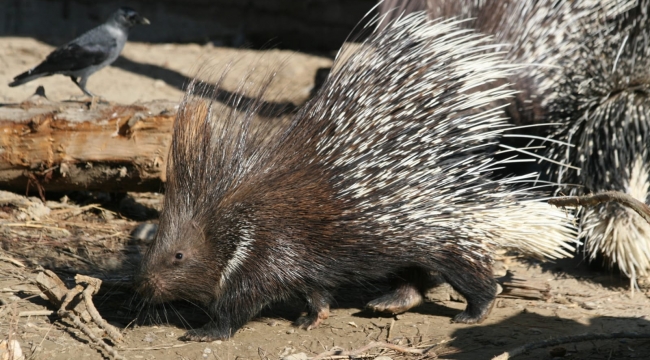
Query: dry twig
x,y
568,339
36,313
338,353
604,197
92,288
12,261
81,297
159,347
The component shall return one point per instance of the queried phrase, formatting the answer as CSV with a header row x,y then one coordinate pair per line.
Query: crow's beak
x,y
143,20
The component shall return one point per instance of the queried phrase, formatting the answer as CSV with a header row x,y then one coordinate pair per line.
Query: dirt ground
x,y
89,233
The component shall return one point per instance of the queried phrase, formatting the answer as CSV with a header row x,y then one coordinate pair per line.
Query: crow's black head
x,y
128,17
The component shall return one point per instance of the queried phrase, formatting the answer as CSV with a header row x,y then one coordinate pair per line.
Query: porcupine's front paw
x,y
312,319
318,310
208,332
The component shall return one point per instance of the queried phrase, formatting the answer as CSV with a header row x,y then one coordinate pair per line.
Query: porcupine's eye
x,y
178,256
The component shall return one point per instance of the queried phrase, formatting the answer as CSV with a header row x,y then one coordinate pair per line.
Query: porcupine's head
x,y
606,98
205,229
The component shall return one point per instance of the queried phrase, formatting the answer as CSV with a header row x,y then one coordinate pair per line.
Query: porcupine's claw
x,y
206,333
318,310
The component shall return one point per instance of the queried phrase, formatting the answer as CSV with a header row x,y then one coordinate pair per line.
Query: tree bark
x,y
48,146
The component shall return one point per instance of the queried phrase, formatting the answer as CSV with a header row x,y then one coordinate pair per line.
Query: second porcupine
x,y
607,110
591,77
381,175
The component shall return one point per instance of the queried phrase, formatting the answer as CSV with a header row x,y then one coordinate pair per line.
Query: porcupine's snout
x,y
152,287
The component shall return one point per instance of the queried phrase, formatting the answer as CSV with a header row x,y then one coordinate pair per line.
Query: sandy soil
x,y
70,236
146,72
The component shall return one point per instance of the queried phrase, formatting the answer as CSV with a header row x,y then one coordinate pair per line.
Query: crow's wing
x,y
73,57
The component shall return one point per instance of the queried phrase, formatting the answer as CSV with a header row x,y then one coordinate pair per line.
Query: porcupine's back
x,y
413,152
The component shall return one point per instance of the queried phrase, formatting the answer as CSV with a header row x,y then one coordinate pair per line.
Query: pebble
x,y
298,356
12,347
383,358
557,352
150,337
145,232
589,305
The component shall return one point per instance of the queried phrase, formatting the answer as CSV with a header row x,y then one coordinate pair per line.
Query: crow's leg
x,y
81,83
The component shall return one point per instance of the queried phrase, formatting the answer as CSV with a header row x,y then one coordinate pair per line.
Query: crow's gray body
x,y
88,53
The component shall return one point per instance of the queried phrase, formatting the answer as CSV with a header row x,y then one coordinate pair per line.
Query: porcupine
x,y
593,81
380,175
608,103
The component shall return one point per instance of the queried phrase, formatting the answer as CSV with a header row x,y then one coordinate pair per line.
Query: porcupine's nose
x,y
152,287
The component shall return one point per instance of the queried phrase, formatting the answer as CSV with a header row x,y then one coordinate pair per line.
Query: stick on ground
x,y
83,308
341,354
604,197
568,339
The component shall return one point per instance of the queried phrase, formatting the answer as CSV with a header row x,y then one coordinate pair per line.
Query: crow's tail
x,y
27,76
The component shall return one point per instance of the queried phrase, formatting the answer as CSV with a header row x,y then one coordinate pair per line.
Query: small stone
x,y
290,331
217,342
383,358
207,351
589,305
499,342
12,347
286,351
272,323
145,232
298,356
149,337
557,352
562,300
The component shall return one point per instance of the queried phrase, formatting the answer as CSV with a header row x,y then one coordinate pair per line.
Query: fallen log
x,y
66,146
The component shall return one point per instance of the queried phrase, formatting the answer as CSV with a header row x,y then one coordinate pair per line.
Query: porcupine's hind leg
x,y
318,309
473,279
407,291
